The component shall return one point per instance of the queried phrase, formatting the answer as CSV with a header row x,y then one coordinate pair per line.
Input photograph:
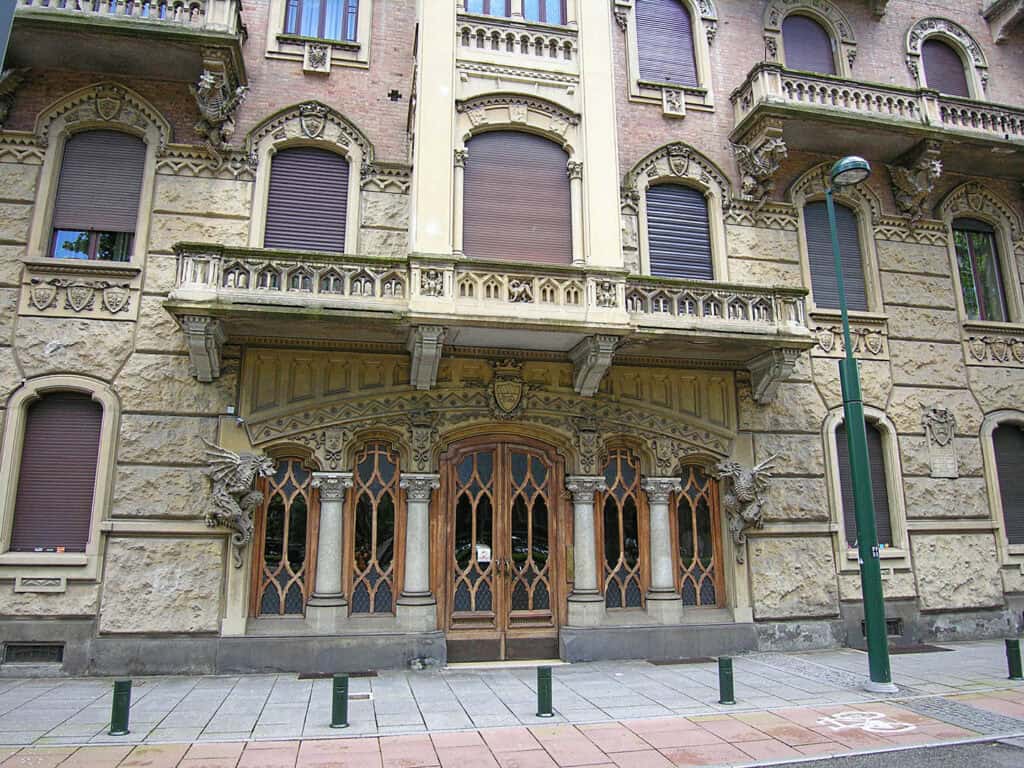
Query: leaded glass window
x,y
375,524
283,541
623,580
697,537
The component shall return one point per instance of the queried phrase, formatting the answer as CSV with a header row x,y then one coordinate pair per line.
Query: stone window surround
x,y
705,18
289,128
701,174
975,201
833,20
516,13
810,188
1009,554
898,555
69,565
960,40
344,53
129,113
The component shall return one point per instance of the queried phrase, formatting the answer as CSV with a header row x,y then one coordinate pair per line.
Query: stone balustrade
x,y
511,38
206,15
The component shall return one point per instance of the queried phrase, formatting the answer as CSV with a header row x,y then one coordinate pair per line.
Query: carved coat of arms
x,y
678,160
116,297
939,424
42,294
508,390
312,119
79,296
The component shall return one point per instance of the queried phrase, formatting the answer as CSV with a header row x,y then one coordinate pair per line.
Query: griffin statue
x,y
743,500
234,498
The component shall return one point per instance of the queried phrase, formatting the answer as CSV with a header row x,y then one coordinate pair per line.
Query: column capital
x,y
332,485
659,488
583,487
419,487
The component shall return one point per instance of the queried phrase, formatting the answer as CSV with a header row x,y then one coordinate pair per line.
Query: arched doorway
x,y
500,576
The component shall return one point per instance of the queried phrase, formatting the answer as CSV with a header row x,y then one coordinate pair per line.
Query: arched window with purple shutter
x,y
807,45
664,38
943,68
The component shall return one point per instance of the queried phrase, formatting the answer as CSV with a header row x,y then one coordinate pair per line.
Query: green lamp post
x,y
845,173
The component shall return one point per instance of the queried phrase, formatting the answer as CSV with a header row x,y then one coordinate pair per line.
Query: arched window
x,y
824,285
943,68
489,7
307,200
1008,447
544,11
517,200
981,283
325,19
807,45
374,536
698,536
57,474
284,538
97,203
678,235
621,532
879,485
664,38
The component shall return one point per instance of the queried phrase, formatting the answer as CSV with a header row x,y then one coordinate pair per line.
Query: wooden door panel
x,y
475,594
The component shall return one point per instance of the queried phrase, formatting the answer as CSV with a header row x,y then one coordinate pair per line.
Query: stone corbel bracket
x,y
591,359
877,7
10,79
204,338
914,177
1002,17
426,343
769,370
759,155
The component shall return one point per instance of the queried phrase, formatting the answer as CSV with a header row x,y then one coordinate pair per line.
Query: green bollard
x,y
119,708
725,691
544,692
1013,659
339,702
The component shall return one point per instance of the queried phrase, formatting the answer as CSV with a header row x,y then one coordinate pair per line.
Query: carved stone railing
x,y
202,15
515,38
773,86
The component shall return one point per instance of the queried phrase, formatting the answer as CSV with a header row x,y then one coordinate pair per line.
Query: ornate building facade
x,y
337,334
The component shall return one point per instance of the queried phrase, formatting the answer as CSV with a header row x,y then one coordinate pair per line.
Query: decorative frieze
x,y
994,348
868,334
66,288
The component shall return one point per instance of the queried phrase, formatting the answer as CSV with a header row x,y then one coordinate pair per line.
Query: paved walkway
x,y
621,714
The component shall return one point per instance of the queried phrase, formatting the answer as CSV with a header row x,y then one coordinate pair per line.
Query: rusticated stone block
x,y
997,388
170,228
167,492
797,454
147,439
751,272
19,181
158,330
793,577
65,345
932,497
78,600
162,585
763,244
915,258
8,312
202,197
163,383
921,323
914,456
11,257
796,498
956,571
875,381
14,221
797,407
923,362
385,209
918,290
383,242
161,273
905,408
10,374
900,584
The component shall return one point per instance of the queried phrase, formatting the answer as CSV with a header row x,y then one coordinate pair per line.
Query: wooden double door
x,y
501,578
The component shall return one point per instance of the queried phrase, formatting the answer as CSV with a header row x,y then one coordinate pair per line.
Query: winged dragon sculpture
x,y
743,502
233,476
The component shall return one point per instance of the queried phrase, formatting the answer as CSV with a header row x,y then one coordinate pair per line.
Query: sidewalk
x,y
607,713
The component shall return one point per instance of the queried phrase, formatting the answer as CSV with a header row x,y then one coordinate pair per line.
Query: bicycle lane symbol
x,y
869,722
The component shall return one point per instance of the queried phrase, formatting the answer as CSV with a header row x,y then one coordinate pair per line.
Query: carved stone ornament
x,y
328,445
591,359
426,343
770,369
423,433
914,180
204,337
997,349
673,102
658,489
743,498
606,294
431,283
312,118
520,291
233,477
869,340
332,485
940,428
79,295
461,156
574,169
419,487
508,390
757,167
681,161
953,32
582,489
217,103
588,443
317,58
10,79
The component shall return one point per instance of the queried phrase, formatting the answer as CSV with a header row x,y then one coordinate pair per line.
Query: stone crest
x,y
78,296
508,390
43,293
116,297
678,159
312,119
108,104
939,429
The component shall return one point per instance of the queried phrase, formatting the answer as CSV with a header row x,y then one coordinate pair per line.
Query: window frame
x,y
349,8
1009,554
296,47
961,41
830,17
1000,282
829,33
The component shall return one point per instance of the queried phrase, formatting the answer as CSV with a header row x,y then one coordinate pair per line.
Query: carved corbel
x,y
758,160
878,7
425,345
1002,17
592,357
204,337
769,370
10,79
914,177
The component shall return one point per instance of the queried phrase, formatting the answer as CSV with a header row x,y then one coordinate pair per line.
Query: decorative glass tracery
x,y
474,534
530,570
623,587
697,535
375,523
284,566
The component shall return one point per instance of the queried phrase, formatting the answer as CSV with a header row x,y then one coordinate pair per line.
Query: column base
x,y
586,609
664,607
416,613
326,619
326,600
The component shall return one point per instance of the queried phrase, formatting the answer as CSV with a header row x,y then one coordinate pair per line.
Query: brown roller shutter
x,y
943,68
664,37
307,203
807,45
819,254
677,232
517,203
1008,442
879,485
53,508
100,182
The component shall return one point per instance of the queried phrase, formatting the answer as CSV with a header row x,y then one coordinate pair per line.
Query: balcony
x,y
880,120
424,302
118,37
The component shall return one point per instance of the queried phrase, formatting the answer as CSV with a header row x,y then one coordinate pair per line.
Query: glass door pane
x,y
473,587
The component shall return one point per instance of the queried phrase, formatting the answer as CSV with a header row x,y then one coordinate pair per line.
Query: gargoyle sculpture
x,y
757,167
911,186
10,79
234,498
743,500
217,104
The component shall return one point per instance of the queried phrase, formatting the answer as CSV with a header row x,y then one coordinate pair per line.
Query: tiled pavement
x,y
621,714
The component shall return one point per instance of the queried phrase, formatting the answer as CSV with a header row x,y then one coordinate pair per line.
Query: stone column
x,y
586,603
663,603
516,9
461,155
327,607
575,171
416,609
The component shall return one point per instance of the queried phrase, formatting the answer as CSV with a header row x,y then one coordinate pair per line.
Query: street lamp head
x,y
849,171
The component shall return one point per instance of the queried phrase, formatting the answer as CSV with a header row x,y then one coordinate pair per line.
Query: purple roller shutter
x,y
664,36
57,475
819,253
100,182
943,68
1008,442
879,485
517,201
307,202
678,236
808,46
